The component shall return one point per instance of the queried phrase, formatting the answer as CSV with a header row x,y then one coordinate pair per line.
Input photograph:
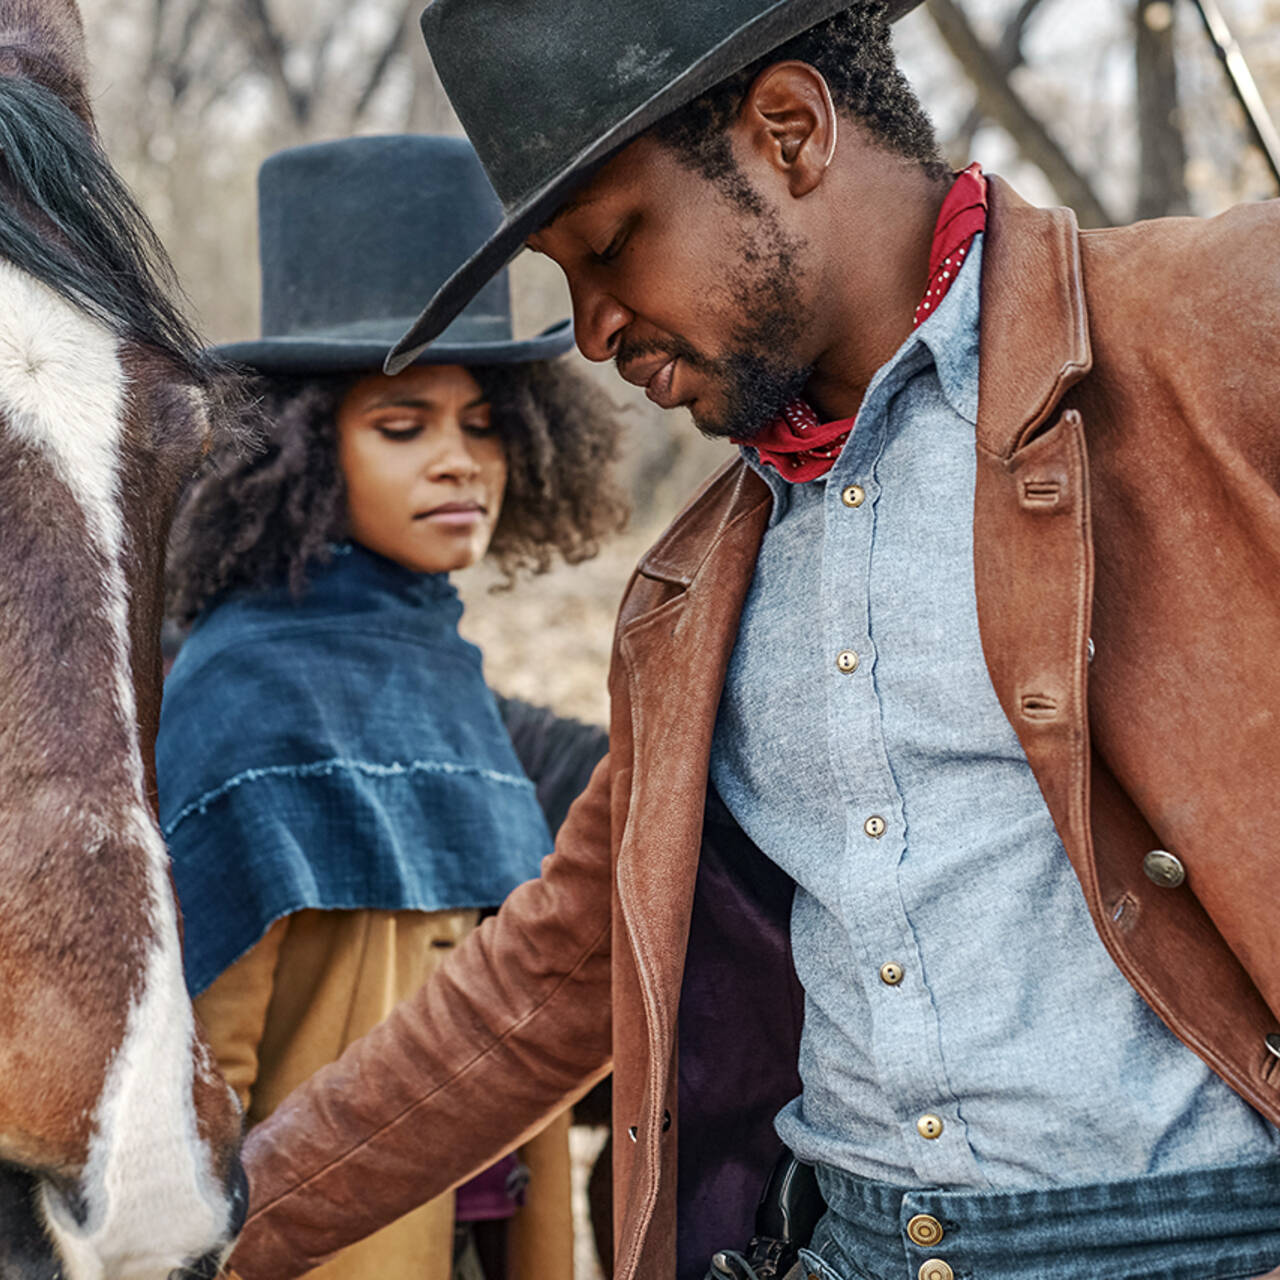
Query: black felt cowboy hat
x,y
353,234
548,89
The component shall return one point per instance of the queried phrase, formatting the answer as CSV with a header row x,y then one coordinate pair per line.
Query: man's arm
x,y
514,1025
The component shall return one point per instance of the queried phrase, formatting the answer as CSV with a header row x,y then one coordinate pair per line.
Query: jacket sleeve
x,y
233,1009
515,1025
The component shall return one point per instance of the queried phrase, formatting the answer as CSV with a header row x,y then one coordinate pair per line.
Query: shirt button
x,y
929,1125
874,826
853,495
890,973
935,1269
847,661
924,1230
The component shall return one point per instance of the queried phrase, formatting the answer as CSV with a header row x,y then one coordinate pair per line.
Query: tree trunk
x,y
1162,187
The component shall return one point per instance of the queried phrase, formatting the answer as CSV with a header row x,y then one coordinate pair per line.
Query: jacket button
x,y
874,826
666,1121
847,661
1273,1044
853,495
1162,868
925,1230
891,973
633,1133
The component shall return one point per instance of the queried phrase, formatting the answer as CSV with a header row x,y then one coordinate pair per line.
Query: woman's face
x,y
425,470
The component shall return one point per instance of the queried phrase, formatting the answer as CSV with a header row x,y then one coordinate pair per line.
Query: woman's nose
x,y
452,455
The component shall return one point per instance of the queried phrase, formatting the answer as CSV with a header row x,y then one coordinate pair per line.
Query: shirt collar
x,y
950,337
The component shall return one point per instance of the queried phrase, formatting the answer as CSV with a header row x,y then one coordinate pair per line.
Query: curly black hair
x,y
261,516
853,51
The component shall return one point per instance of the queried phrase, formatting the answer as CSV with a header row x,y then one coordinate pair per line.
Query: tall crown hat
x,y
547,90
354,233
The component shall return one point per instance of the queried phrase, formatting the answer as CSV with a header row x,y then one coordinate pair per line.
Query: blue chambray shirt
x,y
1010,1024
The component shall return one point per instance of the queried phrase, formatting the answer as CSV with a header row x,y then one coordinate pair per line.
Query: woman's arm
x,y
513,1027
233,1010
558,754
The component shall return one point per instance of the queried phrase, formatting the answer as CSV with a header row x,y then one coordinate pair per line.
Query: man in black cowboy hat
x,y
926,700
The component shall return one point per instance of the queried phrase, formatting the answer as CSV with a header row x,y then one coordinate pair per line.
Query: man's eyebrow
x,y
572,205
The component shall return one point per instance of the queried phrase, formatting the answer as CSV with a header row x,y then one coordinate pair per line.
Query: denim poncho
x,y
338,752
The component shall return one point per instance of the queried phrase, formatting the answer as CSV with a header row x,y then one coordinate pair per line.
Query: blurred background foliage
x,y
1118,108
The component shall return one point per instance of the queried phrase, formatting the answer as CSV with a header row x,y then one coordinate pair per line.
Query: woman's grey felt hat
x,y
353,234
549,89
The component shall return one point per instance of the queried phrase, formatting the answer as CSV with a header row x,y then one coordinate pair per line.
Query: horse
x,y
118,1138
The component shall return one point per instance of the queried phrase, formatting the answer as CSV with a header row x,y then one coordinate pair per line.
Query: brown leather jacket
x,y
1128,460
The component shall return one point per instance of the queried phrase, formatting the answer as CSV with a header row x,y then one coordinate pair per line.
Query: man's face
x,y
695,291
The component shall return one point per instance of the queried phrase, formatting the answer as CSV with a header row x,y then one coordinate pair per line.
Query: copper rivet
x,y
935,1269
925,1230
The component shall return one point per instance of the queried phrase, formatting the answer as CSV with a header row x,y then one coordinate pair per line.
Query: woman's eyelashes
x,y
399,430
407,430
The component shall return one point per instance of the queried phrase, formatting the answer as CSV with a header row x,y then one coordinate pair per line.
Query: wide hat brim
x,y
777,24
318,354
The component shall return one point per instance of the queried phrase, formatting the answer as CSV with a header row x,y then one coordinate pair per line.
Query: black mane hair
x,y
68,220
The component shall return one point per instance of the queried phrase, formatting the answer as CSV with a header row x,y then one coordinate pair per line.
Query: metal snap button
x,y
853,495
633,1133
847,661
924,1229
929,1126
874,826
935,1269
890,973
1162,868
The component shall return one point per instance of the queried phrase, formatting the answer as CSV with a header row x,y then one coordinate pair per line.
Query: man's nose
x,y
598,322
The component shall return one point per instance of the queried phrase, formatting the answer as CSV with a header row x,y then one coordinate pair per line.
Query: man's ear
x,y
789,120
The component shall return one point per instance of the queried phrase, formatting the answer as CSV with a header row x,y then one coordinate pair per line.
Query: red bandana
x,y
798,445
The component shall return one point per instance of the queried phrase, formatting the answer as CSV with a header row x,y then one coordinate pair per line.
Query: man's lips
x,y
656,376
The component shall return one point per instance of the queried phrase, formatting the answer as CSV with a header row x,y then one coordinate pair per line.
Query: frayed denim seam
x,y
322,768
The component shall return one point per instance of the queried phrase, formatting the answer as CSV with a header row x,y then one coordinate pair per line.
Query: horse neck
x,y
44,40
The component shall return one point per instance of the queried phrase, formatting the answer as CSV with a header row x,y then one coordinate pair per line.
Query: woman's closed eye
x,y
401,429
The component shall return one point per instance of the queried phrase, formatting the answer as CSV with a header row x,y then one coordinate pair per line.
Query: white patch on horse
x,y
151,1198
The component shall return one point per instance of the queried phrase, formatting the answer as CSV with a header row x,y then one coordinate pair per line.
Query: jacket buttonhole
x,y
1041,495
1039,706
1125,910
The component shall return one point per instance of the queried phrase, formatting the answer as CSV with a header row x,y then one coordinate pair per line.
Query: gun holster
x,y
788,1212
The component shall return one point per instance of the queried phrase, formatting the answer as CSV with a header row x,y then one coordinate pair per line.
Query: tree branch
x,y
998,100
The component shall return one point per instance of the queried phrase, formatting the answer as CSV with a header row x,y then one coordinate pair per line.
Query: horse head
x,y
118,1138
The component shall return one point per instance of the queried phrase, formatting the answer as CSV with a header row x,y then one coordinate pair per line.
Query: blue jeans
x,y
1206,1224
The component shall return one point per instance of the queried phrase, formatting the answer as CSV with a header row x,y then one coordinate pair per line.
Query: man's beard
x,y
761,374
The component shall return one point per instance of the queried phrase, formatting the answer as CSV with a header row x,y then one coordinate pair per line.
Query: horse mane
x,y
69,220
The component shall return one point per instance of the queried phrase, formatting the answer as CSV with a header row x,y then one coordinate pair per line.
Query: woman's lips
x,y
659,388
453,514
